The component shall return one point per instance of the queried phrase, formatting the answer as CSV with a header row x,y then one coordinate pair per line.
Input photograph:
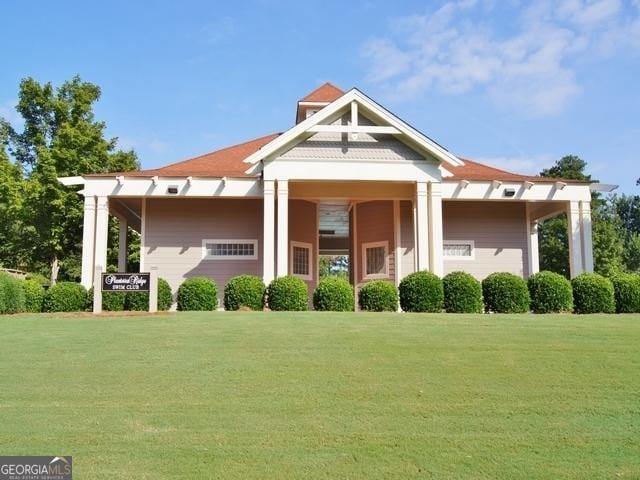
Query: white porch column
x,y
422,225
436,257
102,230
88,241
122,245
587,239
532,244
282,261
575,238
268,232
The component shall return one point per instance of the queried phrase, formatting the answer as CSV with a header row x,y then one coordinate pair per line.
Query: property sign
x,y
125,282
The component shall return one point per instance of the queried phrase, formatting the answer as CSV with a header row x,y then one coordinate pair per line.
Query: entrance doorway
x,y
334,239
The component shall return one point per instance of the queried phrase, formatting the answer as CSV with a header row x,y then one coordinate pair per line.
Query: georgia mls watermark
x,y
35,468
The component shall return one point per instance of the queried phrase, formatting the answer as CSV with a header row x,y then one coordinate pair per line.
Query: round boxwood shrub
x,y
593,293
462,293
244,291
139,301
33,296
198,293
288,294
333,294
111,301
65,297
11,294
550,293
421,292
626,288
378,296
505,293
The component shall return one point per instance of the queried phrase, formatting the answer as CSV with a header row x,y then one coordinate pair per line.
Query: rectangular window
x,y
230,249
301,255
375,257
459,250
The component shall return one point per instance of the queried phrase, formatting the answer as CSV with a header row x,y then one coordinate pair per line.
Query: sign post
x,y
97,291
153,290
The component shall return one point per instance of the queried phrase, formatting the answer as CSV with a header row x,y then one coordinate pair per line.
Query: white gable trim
x,y
353,95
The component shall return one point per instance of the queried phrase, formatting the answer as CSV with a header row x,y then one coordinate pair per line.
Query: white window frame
x,y
309,247
205,250
471,243
374,276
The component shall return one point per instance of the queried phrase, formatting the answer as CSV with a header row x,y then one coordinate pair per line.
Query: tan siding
x,y
338,146
175,228
407,238
303,228
499,231
375,224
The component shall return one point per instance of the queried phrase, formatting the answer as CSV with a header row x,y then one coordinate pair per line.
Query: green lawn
x,y
310,395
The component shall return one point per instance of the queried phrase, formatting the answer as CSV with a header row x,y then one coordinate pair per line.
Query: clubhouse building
x,y
349,178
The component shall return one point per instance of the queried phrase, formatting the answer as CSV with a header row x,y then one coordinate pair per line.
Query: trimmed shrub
x,y
550,293
421,292
244,291
626,288
378,296
33,296
462,293
288,294
111,301
39,278
593,293
198,293
139,301
65,297
505,293
11,294
333,294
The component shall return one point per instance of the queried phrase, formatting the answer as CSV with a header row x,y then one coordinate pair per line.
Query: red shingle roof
x,y
475,171
324,93
227,162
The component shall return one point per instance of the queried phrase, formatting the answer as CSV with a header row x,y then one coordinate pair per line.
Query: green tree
x,y
61,137
11,185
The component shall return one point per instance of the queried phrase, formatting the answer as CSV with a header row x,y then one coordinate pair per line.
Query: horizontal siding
x,y
499,231
303,227
407,238
375,224
174,230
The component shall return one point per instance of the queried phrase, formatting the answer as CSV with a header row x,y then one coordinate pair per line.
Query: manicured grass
x,y
311,395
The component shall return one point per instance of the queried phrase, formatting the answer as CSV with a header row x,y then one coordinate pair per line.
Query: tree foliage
x,y
60,137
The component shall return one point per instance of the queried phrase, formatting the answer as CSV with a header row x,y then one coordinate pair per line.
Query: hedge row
x,y
457,292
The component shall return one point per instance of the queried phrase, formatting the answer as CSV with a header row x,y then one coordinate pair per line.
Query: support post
x,y
397,240
422,225
436,259
282,261
532,244
268,229
587,238
122,245
88,241
153,289
575,241
102,231
97,289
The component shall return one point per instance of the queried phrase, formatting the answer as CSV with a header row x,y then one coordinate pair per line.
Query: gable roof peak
x,y
325,93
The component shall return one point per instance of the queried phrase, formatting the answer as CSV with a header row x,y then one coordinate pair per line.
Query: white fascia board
x,y
303,127
196,187
603,187
393,171
453,190
69,181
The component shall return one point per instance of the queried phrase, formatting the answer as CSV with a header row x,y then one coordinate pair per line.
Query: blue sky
x,y
514,84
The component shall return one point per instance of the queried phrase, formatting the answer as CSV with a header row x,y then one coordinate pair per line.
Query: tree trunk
x,y
55,268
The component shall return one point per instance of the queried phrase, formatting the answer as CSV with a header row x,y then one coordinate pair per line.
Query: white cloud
x,y
458,48
9,113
